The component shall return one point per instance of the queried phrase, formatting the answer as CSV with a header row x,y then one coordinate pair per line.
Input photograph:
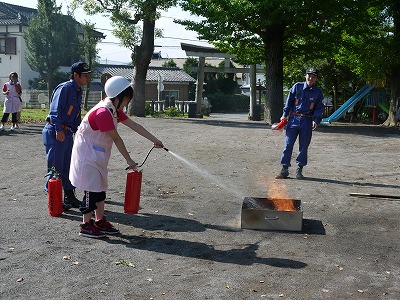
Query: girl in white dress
x,y
12,103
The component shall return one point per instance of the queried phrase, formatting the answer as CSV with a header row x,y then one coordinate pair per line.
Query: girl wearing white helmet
x,y
92,149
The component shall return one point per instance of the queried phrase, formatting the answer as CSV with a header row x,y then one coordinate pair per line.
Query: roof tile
x,y
168,74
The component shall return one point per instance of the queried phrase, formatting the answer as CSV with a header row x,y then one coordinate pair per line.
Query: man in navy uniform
x,y
304,110
62,122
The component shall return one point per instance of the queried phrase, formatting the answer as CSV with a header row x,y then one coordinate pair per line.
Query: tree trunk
x,y
141,58
394,76
273,42
394,97
50,86
86,100
335,94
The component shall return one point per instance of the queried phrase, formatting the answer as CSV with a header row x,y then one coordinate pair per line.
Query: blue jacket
x,y
305,100
65,106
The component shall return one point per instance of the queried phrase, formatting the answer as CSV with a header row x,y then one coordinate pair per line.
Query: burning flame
x,y
277,194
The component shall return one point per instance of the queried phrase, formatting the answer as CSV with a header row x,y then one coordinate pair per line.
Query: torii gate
x,y
203,52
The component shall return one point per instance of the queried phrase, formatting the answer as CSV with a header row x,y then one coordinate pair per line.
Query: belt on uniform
x,y
301,115
65,127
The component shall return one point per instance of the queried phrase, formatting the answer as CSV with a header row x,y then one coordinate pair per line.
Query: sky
x,y
109,49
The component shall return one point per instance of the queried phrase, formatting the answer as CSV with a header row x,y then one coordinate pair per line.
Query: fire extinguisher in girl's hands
x,y
132,191
133,187
54,193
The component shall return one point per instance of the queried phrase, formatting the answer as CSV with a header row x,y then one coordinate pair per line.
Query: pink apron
x,y
12,103
90,155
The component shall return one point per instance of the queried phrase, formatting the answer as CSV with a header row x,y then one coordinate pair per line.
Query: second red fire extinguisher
x,y
133,187
132,191
54,194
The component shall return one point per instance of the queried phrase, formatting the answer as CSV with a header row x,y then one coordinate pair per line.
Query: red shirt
x,y
101,119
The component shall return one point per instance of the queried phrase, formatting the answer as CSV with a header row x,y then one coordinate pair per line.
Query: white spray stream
x,y
231,189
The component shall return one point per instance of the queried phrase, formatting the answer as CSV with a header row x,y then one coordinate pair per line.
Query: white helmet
x,y
115,85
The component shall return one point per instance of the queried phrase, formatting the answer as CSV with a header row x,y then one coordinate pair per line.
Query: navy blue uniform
x,y
303,106
64,114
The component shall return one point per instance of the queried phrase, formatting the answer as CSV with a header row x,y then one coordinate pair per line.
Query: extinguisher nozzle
x,y
166,149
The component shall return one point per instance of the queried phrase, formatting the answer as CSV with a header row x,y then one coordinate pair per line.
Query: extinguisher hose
x,y
148,153
127,168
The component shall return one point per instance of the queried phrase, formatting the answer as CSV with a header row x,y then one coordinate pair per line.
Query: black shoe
x,y
299,173
91,231
69,198
106,227
66,206
283,174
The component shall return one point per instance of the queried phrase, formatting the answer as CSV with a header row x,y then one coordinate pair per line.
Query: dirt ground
x,y
187,242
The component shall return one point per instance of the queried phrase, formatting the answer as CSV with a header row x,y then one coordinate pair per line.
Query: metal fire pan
x,y
264,213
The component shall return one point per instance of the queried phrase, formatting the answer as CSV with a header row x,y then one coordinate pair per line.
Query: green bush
x,y
229,103
149,111
172,111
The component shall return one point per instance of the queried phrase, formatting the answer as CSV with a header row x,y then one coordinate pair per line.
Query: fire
x,y
277,194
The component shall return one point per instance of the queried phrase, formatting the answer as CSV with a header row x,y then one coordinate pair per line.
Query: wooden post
x,y
199,85
253,91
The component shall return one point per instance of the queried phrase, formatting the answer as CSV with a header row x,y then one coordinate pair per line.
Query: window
x,y
8,46
170,97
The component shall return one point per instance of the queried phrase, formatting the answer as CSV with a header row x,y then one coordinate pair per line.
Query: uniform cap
x,y
312,70
115,85
80,67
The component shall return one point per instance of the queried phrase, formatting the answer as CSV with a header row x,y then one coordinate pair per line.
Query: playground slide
x,y
349,103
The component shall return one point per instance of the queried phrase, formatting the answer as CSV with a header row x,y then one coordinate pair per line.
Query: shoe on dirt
x,y
283,174
70,198
299,173
66,206
106,227
90,230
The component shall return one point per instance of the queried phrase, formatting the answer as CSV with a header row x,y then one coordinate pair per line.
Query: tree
x,y
370,48
391,14
267,31
191,62
51,40
169,63
140,40
41,84
90,40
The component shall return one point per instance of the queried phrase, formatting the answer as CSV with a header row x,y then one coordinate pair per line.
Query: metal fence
x,y
40,98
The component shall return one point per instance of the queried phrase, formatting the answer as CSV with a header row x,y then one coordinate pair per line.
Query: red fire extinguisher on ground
x,y
54,194
132,191
133,187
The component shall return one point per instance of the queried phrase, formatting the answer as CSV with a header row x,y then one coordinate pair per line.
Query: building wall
x,y
10,62
182,88
15,62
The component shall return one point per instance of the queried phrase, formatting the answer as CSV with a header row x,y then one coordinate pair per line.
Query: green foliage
x,y
128,34
34,115
125,17
39,83
172,111
351,40
191,62
220,82
31,115
228,103
169,63
51,40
